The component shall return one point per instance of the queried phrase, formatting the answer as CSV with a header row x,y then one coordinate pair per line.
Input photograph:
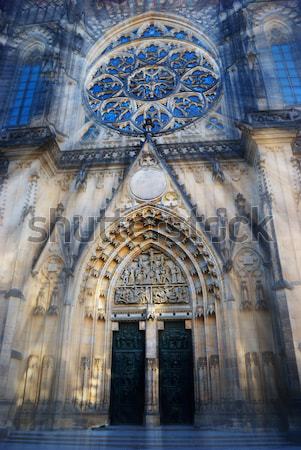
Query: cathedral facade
x,y
150,224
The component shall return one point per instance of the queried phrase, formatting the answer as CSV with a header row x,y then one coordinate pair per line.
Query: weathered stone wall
x,y
225,177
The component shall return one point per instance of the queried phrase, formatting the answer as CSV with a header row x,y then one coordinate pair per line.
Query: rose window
x,y
172,82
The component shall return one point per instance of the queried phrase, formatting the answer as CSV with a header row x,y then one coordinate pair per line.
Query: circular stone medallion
x,y
148,183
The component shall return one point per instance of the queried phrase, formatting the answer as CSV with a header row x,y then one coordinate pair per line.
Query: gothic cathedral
x,y
150,224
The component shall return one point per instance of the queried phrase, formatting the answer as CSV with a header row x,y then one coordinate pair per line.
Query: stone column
x,y
14,298
63,376
152,415
232,388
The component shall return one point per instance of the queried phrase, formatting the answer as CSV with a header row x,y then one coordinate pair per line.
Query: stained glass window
x,y
171,81
287,73
22,103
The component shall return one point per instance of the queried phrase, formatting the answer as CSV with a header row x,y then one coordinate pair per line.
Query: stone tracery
x,y
164,78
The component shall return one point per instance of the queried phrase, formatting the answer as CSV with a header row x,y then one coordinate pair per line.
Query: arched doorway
x,y
154,278
154,290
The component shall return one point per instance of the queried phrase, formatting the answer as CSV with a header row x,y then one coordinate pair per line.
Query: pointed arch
x,y
145,226
159,229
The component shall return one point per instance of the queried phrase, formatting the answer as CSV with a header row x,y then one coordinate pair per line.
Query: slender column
x,y
152,417
14,298
232,390
65,344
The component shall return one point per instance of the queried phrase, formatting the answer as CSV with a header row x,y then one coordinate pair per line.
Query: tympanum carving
x,y
152,278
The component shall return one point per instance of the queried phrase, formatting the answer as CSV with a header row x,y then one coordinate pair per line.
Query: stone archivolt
x,y
163,232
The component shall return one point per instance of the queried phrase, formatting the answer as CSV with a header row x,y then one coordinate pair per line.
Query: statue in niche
x,y
100,181
46,379
245,303
41,304
253,376
31,380
54,301
203,379
81,178
269,371
95,394
84,379
261,303
217,172
214,378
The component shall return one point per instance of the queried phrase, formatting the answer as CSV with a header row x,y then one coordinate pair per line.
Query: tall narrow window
x,y
287,73
23,99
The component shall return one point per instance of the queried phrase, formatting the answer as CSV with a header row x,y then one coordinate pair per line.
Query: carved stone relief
x,y
236,171
65,182
152,278
89,395
50,278
253,294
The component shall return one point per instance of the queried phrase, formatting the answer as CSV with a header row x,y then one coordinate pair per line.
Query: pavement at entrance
x,y
140,438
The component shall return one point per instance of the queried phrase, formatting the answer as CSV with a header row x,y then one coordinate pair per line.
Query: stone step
x,y
125,438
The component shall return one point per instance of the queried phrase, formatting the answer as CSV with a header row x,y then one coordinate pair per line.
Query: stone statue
x,y
41,304
46,379
81,178
54,301
253,376
217,173
245,303
32,380
260,300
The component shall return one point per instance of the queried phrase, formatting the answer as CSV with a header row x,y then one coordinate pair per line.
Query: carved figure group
x,y
151,268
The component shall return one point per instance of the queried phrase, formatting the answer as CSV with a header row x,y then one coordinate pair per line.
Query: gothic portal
x,y
150,213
